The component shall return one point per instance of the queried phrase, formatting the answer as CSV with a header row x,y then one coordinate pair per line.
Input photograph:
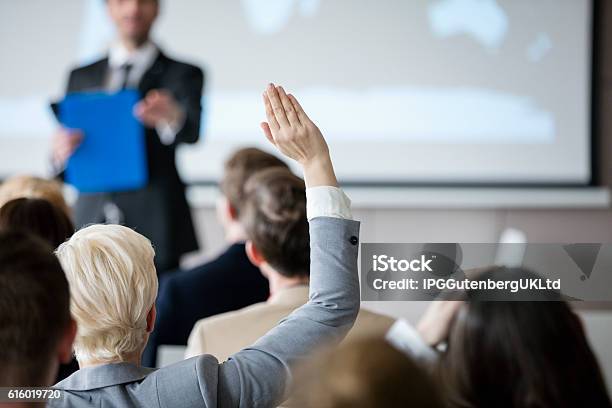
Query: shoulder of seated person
x,y
201,360
368,321
217,266
224,317
190,276
369,314
254,313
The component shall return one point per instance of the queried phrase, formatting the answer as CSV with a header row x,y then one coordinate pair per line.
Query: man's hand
x,y
159,107
434,326
64,143
297,137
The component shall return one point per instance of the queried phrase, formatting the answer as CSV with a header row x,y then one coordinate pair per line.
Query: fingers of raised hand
x,y
277,106
266,129
273,124
288,107
304,119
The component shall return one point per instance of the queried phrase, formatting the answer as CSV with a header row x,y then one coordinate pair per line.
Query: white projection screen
x,y
419,91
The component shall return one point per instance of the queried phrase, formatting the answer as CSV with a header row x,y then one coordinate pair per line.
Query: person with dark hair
x,y
36,330
520,354
45,220
367,373
274,217
228,282
514,354
38,216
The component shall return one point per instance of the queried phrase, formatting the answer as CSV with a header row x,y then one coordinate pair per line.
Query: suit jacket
x,y
159,211
257,376
225,334
226,283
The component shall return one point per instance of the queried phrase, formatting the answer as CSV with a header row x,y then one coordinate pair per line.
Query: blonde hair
x,y
25,186
113,286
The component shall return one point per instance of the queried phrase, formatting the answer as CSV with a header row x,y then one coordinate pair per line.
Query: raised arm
x,y
259,376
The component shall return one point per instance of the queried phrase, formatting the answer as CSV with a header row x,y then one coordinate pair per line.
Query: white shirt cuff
x,y
404,337
327,201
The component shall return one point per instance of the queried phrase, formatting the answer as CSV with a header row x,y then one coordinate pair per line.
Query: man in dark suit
x,y
227,283
170,110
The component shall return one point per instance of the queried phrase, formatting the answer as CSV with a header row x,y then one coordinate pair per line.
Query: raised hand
x,y
297,137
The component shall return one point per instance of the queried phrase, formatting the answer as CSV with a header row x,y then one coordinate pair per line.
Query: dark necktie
x,y
125,70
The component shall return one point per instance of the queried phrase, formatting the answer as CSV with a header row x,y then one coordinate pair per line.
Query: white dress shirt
x,y
327,201
140,60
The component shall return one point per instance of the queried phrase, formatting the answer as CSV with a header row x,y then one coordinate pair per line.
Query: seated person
x,y
515,354
34,187
228,282
39,217
274,215
47,221
114,284
36,330
366,373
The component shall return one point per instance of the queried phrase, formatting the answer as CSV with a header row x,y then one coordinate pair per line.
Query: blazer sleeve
x,y
258,376
189,96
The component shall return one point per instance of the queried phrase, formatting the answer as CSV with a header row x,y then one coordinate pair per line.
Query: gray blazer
x,y
257,376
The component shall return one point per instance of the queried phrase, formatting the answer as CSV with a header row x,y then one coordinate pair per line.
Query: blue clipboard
x,y
112,156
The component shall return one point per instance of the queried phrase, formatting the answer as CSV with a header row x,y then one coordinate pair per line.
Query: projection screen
x,y
423,91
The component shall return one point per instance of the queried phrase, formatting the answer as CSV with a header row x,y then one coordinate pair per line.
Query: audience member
x,y
34,187
38,216
36,330
274,215
113,284
366,373
44,220
515,354
228,282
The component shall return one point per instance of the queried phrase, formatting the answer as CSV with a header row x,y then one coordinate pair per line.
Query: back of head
x,y
38,216
367,373
34,309
113,284
520,354
239,167
33,187
274,217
